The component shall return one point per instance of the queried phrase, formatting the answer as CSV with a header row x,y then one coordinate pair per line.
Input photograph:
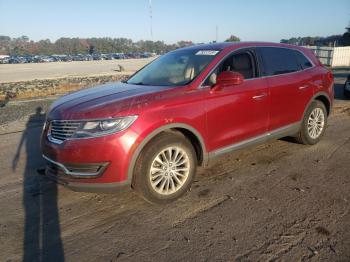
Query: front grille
x,y
63,129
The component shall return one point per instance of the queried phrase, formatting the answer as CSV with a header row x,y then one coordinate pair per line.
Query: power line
x,y
150,16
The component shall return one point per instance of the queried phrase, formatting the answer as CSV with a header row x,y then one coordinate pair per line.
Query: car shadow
x,y
42,234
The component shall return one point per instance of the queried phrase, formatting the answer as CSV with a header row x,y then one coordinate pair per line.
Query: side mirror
x,y
229,78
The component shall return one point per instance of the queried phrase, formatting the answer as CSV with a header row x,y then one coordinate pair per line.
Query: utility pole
x,y
216,34
150,16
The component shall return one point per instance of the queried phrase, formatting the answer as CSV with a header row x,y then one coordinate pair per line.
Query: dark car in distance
x,y
181,111
347,87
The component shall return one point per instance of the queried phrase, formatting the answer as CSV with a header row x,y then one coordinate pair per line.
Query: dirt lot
x,y
280,201
26,72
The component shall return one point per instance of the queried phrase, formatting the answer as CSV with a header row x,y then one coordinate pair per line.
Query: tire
x,y
179,163
307,134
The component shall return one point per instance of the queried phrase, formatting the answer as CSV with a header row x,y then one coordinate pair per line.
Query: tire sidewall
x,y
143,183
304,131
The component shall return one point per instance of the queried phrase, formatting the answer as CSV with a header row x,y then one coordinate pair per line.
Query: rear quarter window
x,y
302,60
277,61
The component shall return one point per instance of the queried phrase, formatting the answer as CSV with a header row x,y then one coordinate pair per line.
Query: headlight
x,y
102,127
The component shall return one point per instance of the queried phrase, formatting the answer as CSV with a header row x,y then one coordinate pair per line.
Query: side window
x,y
244,63
278,61
302,60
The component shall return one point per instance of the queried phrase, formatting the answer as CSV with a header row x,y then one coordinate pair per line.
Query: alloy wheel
x,y
169,170
315,123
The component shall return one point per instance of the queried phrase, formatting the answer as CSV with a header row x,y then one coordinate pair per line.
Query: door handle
x,y
303,87
259,96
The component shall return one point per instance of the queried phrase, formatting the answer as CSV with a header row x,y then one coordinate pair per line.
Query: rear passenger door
x,y
289,85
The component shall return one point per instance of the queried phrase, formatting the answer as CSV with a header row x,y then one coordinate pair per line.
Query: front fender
x,y
146,137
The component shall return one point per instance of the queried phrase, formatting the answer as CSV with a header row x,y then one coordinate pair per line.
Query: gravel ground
x,y
276,202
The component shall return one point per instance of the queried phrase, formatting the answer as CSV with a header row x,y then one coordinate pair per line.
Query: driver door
x,y
237,113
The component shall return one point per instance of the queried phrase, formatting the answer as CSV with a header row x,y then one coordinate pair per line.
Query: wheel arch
x,y
322,97
325,100
188,131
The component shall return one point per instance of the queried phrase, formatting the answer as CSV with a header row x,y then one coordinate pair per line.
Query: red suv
x,y
180,111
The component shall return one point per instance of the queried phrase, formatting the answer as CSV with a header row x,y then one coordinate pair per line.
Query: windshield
x,y
174,69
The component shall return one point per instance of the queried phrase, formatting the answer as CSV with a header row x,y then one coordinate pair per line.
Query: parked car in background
x,y
181,111
96,57
119,56
4,60
15,60
69,58
44,59
107,56
347,87
62,58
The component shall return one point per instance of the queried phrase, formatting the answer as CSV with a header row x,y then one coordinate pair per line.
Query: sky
x,y
174,20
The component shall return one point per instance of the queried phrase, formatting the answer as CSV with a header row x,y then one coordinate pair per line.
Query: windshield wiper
x,y
138,84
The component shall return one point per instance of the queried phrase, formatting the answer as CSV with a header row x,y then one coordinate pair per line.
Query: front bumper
x,y
90,165
88,170
86,187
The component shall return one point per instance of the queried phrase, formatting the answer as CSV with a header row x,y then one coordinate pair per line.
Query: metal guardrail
x,y
332,56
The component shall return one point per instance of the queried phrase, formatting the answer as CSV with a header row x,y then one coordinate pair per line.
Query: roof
x,y
233,45
212,46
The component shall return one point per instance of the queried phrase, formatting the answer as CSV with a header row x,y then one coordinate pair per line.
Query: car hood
x,y
102,101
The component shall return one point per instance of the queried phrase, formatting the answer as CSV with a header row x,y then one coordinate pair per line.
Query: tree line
x,y
64,45
333,40
73,46
24,46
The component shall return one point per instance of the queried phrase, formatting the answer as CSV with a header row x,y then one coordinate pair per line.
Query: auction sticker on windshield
x,y
207,52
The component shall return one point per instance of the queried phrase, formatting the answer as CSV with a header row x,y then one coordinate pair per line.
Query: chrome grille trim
x,y
61,130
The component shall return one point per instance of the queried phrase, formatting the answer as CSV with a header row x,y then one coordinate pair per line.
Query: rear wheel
x,y
314,124
165,169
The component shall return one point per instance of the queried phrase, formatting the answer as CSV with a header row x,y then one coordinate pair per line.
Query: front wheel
x,y
165,169
313,125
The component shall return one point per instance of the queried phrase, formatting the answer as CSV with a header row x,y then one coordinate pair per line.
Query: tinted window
x,y
278,61
302,60
243,63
